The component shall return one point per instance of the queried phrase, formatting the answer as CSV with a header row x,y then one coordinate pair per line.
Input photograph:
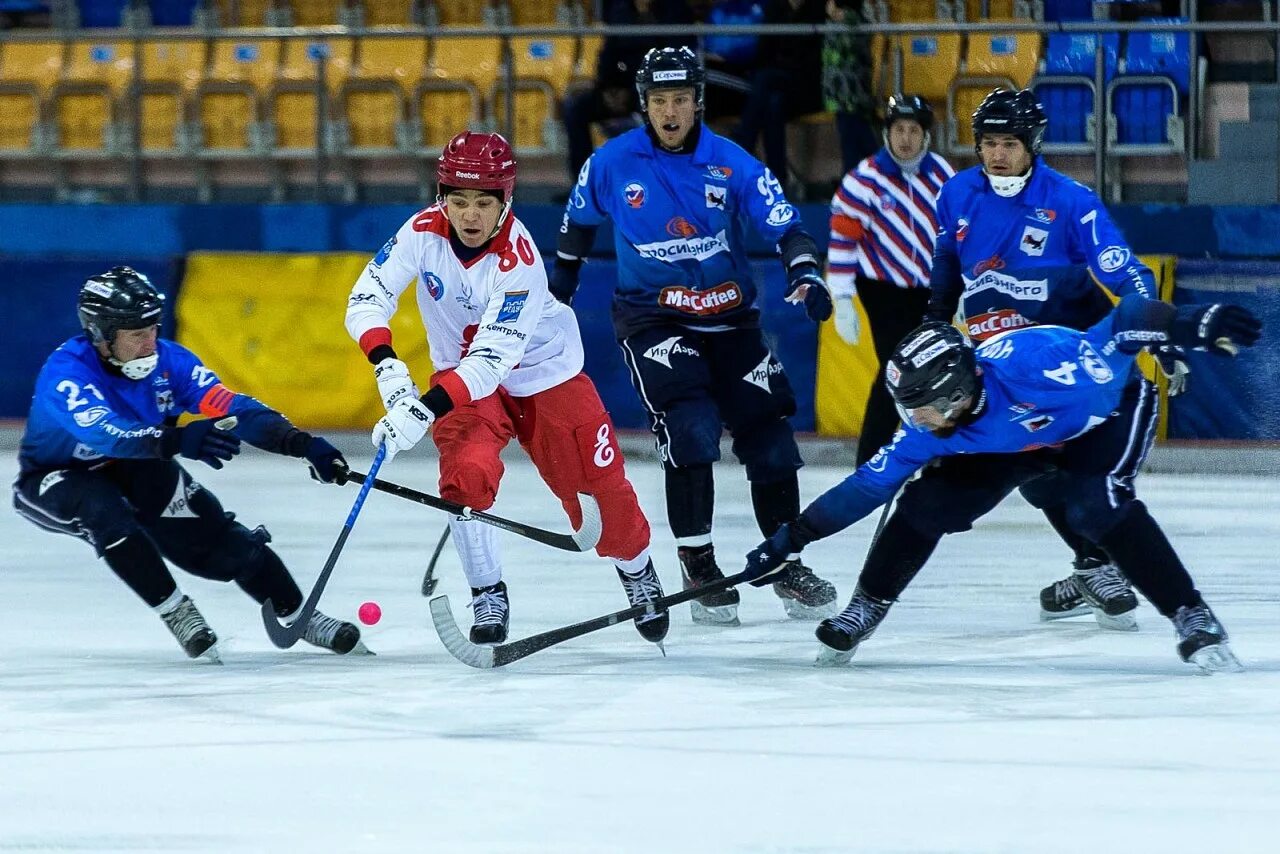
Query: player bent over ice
x,y
1052,394
508,360
97,462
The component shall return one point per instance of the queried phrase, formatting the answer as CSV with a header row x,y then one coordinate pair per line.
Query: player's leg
x,y
91,506
947,498
672,376
570,438
470,439
188,523
1119,448
892,312
755,399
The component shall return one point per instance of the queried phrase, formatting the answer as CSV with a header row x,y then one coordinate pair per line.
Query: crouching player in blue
x,y
97,462
684,313
1051,394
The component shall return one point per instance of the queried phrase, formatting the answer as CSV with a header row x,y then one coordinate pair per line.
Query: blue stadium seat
x,y
101,13
1068,10
1066,89
1142,108
172,13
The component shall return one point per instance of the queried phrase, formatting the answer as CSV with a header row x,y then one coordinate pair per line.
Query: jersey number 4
x,y
1065,373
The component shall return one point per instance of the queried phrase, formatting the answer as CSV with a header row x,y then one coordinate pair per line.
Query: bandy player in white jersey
x,y
508,364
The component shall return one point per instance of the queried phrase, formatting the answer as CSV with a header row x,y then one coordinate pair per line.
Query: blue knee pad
x,y
768,451
689,433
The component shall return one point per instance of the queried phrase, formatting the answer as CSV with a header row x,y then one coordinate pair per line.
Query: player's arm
x,y
1111,261
945,282
850,219
70,395
582,216
1137,322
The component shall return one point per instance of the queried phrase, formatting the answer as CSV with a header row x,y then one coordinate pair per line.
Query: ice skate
x,y
492,612
841,634
804,595
1202,640
642,588
698,568
1062,599
192,632
1107,592
331,634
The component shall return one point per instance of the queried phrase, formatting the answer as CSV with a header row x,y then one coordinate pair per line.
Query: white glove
x,y
394,381
403,426
847,324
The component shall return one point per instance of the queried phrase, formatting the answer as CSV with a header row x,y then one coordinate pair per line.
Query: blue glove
x,y
202,440
767,559
563,283
327,463
1220,328
804,282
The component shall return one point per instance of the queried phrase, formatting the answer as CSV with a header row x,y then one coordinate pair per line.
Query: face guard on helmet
x,y
932,368
1018,114
670,68
478,161
120,298
915,108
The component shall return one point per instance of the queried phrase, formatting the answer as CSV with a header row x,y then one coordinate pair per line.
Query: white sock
x,y
694,542
635,565
477,545
166,607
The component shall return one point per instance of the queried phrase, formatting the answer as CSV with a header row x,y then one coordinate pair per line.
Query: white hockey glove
x,y
403,426
394,382
847,323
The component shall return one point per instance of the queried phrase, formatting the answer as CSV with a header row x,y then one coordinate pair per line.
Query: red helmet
x,y
478,161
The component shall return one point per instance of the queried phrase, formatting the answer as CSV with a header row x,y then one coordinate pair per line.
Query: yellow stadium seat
x,y
589,48
532,114
929,63
387,13
530,12
450,96
230,100
87,101
997,10
467,13
28,71
912,10
317,13
995,59
170,73
541,70
292,103
381,86
244,13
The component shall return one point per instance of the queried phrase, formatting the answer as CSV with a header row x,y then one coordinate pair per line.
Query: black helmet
x,y
670,68
933,366
1017,113
121,298
913,107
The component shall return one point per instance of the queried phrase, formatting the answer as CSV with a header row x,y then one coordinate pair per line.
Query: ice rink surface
x,y
965,724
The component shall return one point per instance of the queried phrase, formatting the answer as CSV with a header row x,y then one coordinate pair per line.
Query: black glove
x,y
201,440
1220,328
327,463
817,299
1173,364
768,558
563,283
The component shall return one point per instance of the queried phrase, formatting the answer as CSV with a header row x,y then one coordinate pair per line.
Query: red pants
x,y
570,438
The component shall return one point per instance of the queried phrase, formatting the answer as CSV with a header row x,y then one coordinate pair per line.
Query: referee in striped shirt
x,y
883,225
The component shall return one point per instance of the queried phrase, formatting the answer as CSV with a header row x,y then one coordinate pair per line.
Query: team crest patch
x,y
635,194
1113,258
89,417
891,373
715,196
962,229
719,173
1045,215
886,201
385,252
434,286
1033,240
512,304
1036,423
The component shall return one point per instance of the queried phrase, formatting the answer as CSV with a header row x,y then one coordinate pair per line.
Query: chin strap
x,y
137,369
1008,185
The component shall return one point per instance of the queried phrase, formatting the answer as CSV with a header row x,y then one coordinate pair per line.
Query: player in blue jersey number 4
x,y
1046,398
97,462
684,312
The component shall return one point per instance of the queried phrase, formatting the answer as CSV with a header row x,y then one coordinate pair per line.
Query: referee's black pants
x,y
893,312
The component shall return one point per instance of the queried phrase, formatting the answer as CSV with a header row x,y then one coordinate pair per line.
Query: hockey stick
x,y
429,580
285,636
485,657
581,540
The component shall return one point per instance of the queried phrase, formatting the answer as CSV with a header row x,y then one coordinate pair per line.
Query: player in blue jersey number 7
x,y
97,462
1047,397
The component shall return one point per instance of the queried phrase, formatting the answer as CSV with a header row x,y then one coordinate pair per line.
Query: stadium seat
x,y
1068,10
245,13
929,63
88,99
898,11
387,13
1146,100
376,96
449,98
231,97
292,102
28,71
173,13
532,12
101,13
541,70
1067,90
317,13
995,59
170,73
462,13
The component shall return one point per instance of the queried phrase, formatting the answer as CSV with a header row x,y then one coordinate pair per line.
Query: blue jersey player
x,y
97,462
1020,244
1046,399
684,312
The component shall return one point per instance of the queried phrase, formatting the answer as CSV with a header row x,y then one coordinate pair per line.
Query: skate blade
x,y
1078,611
1216,659
714,615
211,655
1125,622
828,657
797,610
360,649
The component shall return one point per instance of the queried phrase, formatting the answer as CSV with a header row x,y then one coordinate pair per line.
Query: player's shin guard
x,y
137,562
804,594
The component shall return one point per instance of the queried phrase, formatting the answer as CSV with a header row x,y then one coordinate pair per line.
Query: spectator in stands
x,y
846,83
786,84
883,225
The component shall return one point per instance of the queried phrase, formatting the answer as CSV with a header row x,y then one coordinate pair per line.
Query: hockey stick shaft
x,y
285,636
429,580
581,541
